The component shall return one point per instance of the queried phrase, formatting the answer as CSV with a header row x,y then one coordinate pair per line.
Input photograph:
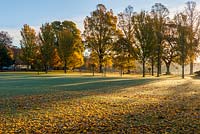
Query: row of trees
x,y
57,44
148,37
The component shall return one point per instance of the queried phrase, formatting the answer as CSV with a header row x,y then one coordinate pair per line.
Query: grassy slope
x,y
58,103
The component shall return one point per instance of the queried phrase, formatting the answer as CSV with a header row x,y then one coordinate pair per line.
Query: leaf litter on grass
x,y
166,106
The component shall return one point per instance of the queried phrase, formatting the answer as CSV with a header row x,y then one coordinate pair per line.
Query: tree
x,y
152,59
76,57
93,61
75,60
183,32
169,45
122,58
5,51
5,58
145,37
159,13
99,33
47,45
68,40
5,39
56,62
28,45
125,23
65,46
193,21
38,63
16,51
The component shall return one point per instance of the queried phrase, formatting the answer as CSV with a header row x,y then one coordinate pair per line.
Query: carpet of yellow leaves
x,y
166,106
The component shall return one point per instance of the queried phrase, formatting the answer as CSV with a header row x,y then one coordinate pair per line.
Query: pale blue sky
x,y
15,13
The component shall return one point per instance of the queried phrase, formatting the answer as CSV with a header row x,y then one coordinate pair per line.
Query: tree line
x,y
58,44
148,37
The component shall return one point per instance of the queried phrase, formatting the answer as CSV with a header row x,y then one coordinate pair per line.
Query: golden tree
x,y
29,45
99,33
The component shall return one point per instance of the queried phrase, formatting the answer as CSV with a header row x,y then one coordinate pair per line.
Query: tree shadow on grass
x,y
104,85
177,112
27,93
20,86
196,77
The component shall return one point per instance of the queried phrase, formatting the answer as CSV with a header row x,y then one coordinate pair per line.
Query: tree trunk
x,y
183,65
152,67
100,64
65,66
183,57
129,71
92,70
160,68
121,71
28,67
158,64
38,72
46,69
191,67
183,70
168,69
100,68
105,71
143,68
14,67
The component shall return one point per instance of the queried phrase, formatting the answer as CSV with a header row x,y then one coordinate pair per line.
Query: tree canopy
x,y
100,31
6,58
113,41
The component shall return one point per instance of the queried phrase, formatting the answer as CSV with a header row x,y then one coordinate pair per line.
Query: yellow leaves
x,y
75,60
138,109
56,61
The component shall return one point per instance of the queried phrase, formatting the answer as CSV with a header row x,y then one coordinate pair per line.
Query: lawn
x,y
54,103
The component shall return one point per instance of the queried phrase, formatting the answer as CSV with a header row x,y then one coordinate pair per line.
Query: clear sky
x,y
15,13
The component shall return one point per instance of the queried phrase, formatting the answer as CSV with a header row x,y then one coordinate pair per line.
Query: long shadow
x,y
104,85
19,86
173,114
176,113
196,77
26,92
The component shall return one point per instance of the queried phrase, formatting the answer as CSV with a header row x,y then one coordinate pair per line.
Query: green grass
x,y
74,103
29,84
